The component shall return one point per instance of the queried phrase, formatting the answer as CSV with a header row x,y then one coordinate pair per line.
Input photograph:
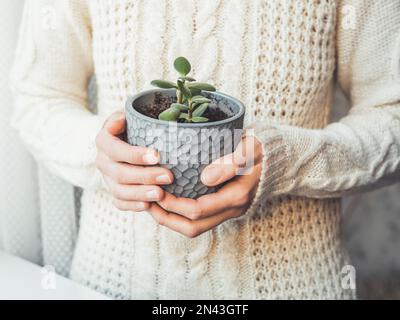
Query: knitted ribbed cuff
x,y
97,181
93,128
275,163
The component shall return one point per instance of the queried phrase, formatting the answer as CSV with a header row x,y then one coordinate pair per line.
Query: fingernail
x,y
152,195
211,176
163,179
150,158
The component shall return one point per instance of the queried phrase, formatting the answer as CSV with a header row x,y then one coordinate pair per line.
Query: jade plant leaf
x,y
190,104
171,114
182,107
183,66
184,89
201,86
190,79
199,119
199,111
200,99
184,116
195,92
163,84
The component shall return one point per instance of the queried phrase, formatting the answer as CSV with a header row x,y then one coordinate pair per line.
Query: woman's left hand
x,y
241,170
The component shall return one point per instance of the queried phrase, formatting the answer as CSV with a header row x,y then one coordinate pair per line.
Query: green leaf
x,y
201,86
171,114
198,96
163,84
182,107
190,79
199,111
200,100
195,92
184,116
184,89
183,66
199,119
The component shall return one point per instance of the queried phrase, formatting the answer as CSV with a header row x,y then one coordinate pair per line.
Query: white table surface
x,y
23,280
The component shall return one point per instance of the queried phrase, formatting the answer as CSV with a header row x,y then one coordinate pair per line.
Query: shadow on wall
x,y
371,234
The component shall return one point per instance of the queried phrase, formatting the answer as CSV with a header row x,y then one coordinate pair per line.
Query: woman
x,y
273,233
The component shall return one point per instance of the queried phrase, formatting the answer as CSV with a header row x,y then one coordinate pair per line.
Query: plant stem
x,y
179,96
190,110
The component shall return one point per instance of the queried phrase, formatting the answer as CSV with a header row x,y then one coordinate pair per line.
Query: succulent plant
x,y
191,105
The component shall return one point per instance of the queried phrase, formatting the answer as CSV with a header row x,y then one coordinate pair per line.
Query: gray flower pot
x,y
185,148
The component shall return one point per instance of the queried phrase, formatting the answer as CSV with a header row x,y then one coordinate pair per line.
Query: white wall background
x,y
19,209
37,209
371,224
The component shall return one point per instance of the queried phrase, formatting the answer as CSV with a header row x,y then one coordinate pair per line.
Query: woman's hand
x,y
193,217
129,171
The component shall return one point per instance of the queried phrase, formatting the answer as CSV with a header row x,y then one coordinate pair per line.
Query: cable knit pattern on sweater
x,y
279,58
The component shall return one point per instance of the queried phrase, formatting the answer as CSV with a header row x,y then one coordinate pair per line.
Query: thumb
x,y
116,123
220,171
247,154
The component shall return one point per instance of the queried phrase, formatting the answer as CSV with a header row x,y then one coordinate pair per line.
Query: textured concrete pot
x,y
185,148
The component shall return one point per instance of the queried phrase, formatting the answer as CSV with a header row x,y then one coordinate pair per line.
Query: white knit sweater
x,y
279,58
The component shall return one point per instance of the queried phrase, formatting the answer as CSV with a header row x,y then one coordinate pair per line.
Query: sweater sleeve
x,y
49,79
362,151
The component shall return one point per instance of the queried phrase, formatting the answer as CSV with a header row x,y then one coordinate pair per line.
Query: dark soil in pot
x,y
162,102
185,148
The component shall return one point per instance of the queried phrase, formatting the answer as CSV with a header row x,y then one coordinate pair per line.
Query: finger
x,y
247,154
170,220
207,224
201,208
116,123
208,205
120,151
186,226
188,208
123,173
134,206
134,192
219,171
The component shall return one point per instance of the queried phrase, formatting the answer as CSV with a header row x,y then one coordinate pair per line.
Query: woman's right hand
x,y
129,171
